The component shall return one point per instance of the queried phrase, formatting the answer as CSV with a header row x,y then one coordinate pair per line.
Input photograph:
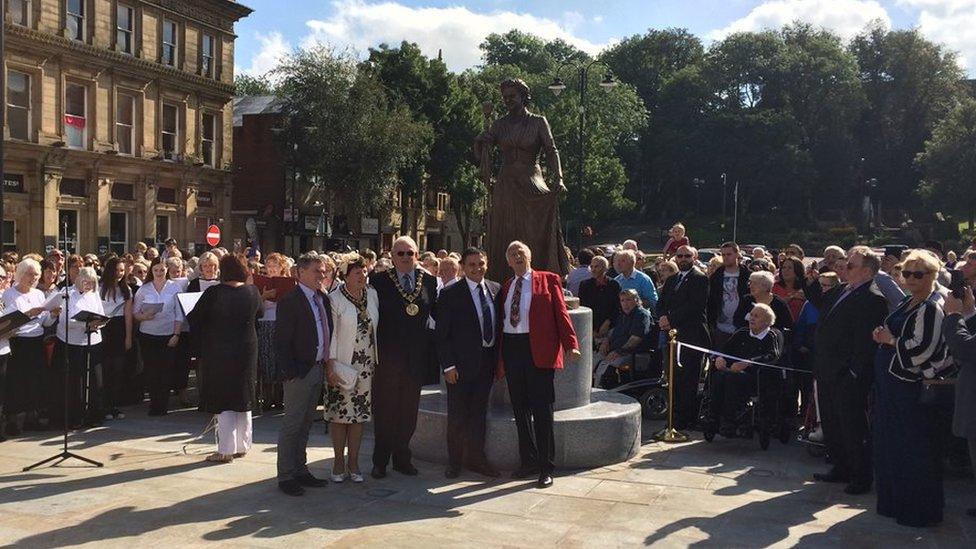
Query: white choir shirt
x,y
524,304
14,300
161,324
77,302
111,304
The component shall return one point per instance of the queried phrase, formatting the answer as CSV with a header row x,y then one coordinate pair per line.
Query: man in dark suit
x,y
466,343
529,358
303,331
406,298
844,365
682,306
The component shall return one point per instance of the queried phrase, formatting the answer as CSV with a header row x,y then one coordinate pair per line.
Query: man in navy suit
x,y
303,333
466,347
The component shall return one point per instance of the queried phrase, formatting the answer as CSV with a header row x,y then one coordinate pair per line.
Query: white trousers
x,y
233,432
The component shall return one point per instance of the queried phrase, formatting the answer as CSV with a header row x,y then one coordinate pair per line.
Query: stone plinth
x,y
593,428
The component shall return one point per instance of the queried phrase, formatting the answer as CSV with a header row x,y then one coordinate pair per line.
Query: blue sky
x,y
457,26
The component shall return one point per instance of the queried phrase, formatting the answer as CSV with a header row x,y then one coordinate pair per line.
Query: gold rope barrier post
x,y
670,434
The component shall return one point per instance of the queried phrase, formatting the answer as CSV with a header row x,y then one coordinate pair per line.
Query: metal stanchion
x,y
670,434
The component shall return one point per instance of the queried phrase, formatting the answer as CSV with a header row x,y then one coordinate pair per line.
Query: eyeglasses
x,y
408,253
914,274
683,255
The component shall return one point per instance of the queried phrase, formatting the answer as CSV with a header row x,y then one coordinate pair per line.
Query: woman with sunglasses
x,y
907,463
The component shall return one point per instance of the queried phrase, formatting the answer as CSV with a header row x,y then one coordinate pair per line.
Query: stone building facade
x,y
119,121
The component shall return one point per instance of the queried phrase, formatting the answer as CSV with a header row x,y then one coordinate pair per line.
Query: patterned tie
x,y
514,317
325,324
487,330
407,285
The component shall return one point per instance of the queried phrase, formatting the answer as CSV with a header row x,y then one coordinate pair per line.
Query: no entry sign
x,y
213,235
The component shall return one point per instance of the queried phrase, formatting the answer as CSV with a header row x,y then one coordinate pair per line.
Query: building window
x,y
18,105
75,19
169,43
162,229
207,56
68,219
18,13
9,236
171,131
207,142
75,116
124,29
442,201
118,231
125,106
123,191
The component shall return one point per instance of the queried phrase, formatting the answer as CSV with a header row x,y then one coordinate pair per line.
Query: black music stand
x,y
65,454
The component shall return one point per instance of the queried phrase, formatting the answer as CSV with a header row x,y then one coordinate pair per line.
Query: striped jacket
x,y
920,349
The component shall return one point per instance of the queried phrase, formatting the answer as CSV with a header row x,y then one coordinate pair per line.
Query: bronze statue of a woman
x,y
522,206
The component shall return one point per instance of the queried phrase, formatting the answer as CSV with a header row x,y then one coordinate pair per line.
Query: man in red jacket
x,y
533,299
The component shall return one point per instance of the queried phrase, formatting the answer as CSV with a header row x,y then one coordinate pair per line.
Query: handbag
x,y
937,391
347,376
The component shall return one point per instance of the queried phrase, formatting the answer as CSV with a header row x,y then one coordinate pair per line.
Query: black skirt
x,y
24,373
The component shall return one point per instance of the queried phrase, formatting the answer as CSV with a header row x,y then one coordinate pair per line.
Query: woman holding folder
x,y
156,310
81,342
25,366
116,335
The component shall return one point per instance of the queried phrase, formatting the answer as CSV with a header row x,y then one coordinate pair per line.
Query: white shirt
x,y
77,302
524,304
14,300
163,323
474,287
112,304
310,295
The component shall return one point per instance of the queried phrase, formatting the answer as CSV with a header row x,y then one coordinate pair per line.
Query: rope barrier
x,y
737,359
211,426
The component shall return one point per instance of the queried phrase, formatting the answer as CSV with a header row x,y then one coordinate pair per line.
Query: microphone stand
x,y
65,454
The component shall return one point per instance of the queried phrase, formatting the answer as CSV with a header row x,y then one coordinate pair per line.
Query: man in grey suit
x,y
303,332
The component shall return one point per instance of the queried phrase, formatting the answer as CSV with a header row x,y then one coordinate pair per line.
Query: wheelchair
x,y
761,416
643,381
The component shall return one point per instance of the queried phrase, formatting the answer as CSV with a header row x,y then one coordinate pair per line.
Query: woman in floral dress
x,y
355,315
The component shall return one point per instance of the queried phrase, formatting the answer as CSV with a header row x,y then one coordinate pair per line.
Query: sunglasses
x,y
408,253
683,255
914,274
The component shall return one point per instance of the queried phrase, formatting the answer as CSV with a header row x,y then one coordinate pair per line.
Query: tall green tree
x,y
436,96
247,85
343,133
910,84
949,162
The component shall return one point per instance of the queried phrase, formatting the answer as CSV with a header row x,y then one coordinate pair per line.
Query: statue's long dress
x,y
523,207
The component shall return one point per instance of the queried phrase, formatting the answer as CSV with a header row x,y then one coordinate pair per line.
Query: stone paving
x,y
151,493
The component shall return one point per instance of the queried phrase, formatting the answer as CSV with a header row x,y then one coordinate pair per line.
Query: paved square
x,y
727,494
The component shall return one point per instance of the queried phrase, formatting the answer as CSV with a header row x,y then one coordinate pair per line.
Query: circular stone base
x,y
606,431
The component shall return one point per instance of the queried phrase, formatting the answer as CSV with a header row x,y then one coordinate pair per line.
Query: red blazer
x,y
550,329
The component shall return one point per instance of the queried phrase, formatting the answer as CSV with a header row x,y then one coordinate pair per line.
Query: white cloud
x,y
273,48
949,22
845,17
456,31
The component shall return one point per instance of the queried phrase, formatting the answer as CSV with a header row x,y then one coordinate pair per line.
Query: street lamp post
x,y
582,68
725,195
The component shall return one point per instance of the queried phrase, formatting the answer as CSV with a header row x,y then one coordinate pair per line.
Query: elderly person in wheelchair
x,y
731,383
630,335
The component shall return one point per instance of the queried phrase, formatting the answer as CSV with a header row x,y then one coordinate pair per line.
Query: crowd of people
x,y
874,340
881,333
